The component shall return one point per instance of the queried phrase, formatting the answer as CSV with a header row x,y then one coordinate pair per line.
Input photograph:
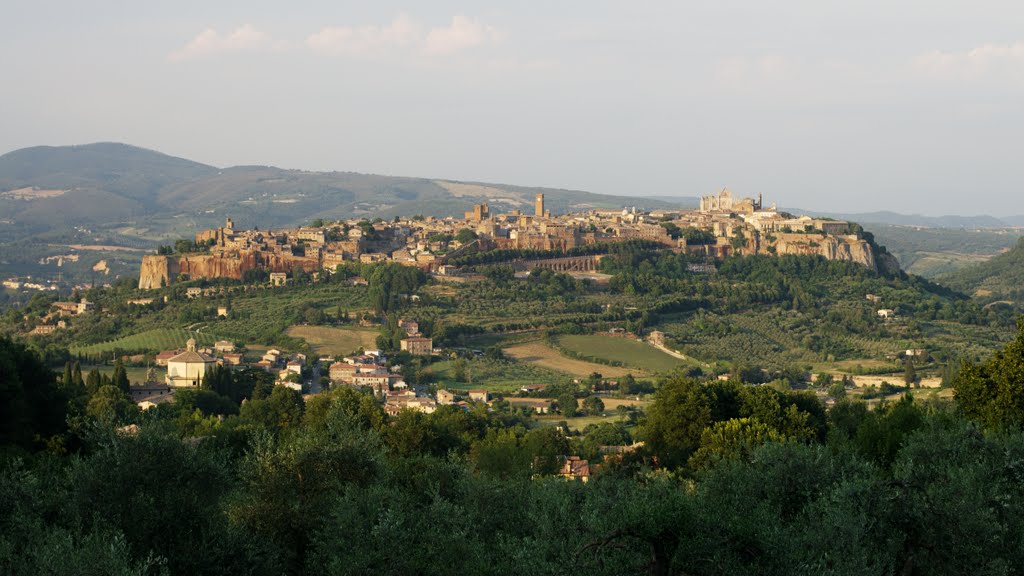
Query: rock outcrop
x,y
157,271
849,248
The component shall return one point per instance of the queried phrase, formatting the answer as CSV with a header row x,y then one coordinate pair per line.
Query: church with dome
x,y
186,370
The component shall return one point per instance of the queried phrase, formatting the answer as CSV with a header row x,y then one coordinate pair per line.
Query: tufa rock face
x,y
157,271
160,271
859,251
849,248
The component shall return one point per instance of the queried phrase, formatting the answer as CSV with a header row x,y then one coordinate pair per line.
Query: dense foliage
x,y
733,479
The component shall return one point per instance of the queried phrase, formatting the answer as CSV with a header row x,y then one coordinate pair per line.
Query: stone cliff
x,y
850,248
157,271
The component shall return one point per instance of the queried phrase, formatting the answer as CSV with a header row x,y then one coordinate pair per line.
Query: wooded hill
x,y
999,279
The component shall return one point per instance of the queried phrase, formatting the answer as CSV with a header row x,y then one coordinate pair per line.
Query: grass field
x,y
495,375
148,341
335,341
631,353
539,354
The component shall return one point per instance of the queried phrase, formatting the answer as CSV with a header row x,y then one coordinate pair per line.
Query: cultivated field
x,y
631,353
148,341
335,341
541,355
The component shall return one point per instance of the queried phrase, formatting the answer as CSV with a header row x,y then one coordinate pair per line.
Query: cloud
x,y
403,33
976,62
463,33
210,42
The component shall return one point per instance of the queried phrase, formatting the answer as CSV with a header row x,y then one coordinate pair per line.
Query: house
x,y
232,359
223,346
278,278
575,468
418,346
479,395
222,311
186,370
886,313
150,394
342,372
411,327
294,366
162,358
531,388
657,338
445,397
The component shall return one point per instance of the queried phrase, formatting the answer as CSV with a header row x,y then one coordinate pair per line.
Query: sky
x,y
910,106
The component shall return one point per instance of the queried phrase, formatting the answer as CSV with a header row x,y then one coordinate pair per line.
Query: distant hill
x,y
934,252
45,188
1000,278
896,219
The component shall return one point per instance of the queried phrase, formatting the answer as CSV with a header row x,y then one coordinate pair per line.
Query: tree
x,y
92,381
111,405
676,420
120,378
837,391
909,373
732,439
278,412
32,407
992,393
465,236
567,404
593,405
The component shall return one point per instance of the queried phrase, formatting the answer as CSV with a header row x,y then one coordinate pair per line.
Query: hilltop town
x,y
724,225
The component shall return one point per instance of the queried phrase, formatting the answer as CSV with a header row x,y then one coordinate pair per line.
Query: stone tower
x,y
539,205
191,345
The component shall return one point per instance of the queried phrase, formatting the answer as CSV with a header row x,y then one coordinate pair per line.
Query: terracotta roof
x,y
191,357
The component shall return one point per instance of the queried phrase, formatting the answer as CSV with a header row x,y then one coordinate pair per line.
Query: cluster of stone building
x,y
735,226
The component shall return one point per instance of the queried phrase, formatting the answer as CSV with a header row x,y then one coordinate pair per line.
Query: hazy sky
x,y
866,105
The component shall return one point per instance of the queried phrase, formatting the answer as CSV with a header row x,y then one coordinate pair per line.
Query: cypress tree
x,y
120,379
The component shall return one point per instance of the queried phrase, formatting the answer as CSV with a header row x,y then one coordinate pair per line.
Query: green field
x,y
494,375
620,351
335,341
148,341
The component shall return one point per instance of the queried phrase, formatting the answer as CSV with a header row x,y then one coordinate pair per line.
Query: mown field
x,y
149,341
335,341
539,354
629,353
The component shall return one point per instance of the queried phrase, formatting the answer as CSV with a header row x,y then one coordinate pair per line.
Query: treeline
x,y
732,479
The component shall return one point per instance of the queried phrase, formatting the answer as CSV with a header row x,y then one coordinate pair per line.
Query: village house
x,y
479,395
445,397
575,468
223,346
418,346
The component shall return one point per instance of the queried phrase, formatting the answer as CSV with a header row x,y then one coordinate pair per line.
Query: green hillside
x,y
1000,278
935,252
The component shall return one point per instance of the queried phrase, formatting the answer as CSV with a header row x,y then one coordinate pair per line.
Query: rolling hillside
x,y
999,279
46,188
